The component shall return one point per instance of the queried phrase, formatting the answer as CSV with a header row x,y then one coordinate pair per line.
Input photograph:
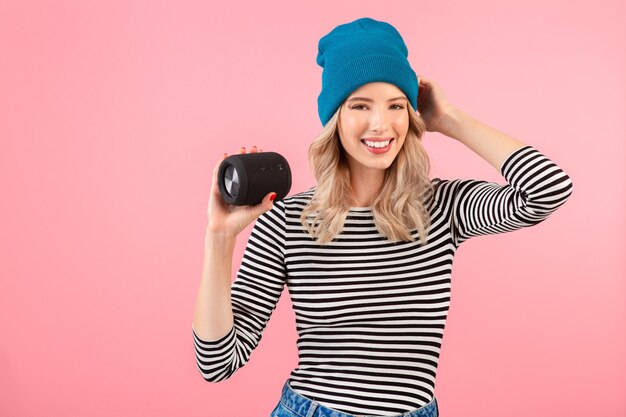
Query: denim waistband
x,y
307,407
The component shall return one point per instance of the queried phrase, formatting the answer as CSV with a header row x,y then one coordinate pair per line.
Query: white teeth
x,y
377,144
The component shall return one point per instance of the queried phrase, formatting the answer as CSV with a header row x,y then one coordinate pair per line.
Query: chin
x,y
382,165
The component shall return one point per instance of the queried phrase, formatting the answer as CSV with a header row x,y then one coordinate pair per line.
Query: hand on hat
x,y
432,105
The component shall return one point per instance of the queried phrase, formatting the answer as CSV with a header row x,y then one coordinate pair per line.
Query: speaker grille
x,y
231,181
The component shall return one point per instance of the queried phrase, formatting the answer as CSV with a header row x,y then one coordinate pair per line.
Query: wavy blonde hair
x,y
398,208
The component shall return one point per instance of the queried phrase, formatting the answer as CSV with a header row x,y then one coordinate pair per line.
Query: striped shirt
x,y
370,313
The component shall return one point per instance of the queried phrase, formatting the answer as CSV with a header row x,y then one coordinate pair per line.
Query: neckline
x,y
361,208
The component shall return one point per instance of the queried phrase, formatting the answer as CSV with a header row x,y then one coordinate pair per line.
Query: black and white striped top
x,y
370,313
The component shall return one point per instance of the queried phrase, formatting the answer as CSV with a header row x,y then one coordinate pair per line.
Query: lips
x,y
377,150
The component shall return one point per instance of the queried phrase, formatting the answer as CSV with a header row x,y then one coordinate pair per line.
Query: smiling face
x,y
373,123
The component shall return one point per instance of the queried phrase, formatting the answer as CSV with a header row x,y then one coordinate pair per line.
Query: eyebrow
x,y
370,100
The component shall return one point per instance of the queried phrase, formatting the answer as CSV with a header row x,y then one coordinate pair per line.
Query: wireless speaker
x,y
244,179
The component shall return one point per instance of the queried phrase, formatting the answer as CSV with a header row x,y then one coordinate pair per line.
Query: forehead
x,y
378,89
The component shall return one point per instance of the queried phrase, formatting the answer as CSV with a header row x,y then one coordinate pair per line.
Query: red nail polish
x,y
272,197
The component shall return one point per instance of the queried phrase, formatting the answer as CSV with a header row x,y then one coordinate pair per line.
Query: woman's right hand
x,y
228,219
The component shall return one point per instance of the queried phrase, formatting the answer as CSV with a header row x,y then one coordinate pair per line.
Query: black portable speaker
x,y
244,179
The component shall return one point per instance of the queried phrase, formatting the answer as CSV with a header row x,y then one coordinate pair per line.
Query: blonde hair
x,y
397,209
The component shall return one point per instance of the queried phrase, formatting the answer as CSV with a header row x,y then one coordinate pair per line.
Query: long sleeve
x,y
536,188
254,294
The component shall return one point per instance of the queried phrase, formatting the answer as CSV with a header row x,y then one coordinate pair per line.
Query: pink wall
x,y
112,115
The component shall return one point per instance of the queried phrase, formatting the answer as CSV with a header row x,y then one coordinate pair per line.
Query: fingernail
x,y
272,197
225,154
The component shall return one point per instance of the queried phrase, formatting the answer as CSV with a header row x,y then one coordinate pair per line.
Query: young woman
x,y
367,253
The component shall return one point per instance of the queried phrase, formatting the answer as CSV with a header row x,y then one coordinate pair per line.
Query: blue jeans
x,y
292,404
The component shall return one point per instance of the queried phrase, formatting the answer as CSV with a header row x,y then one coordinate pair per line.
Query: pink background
x,y
113,115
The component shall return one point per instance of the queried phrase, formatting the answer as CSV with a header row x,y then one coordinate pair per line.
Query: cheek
x,y
344,139
402,122
354,122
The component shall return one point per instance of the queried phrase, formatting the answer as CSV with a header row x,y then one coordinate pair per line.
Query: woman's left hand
x,y
432,105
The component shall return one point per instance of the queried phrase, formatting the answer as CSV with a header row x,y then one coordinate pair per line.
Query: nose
x,y
378,121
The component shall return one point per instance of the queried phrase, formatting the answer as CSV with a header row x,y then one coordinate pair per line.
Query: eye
x,y
399,106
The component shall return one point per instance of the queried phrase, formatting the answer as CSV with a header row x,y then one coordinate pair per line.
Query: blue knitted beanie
x,y
357,53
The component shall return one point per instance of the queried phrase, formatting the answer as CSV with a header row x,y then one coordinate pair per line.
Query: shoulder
x,y
297,202
445,190
443,185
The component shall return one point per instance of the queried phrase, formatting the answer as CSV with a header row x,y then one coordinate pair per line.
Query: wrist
x,y
450,122
219,238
